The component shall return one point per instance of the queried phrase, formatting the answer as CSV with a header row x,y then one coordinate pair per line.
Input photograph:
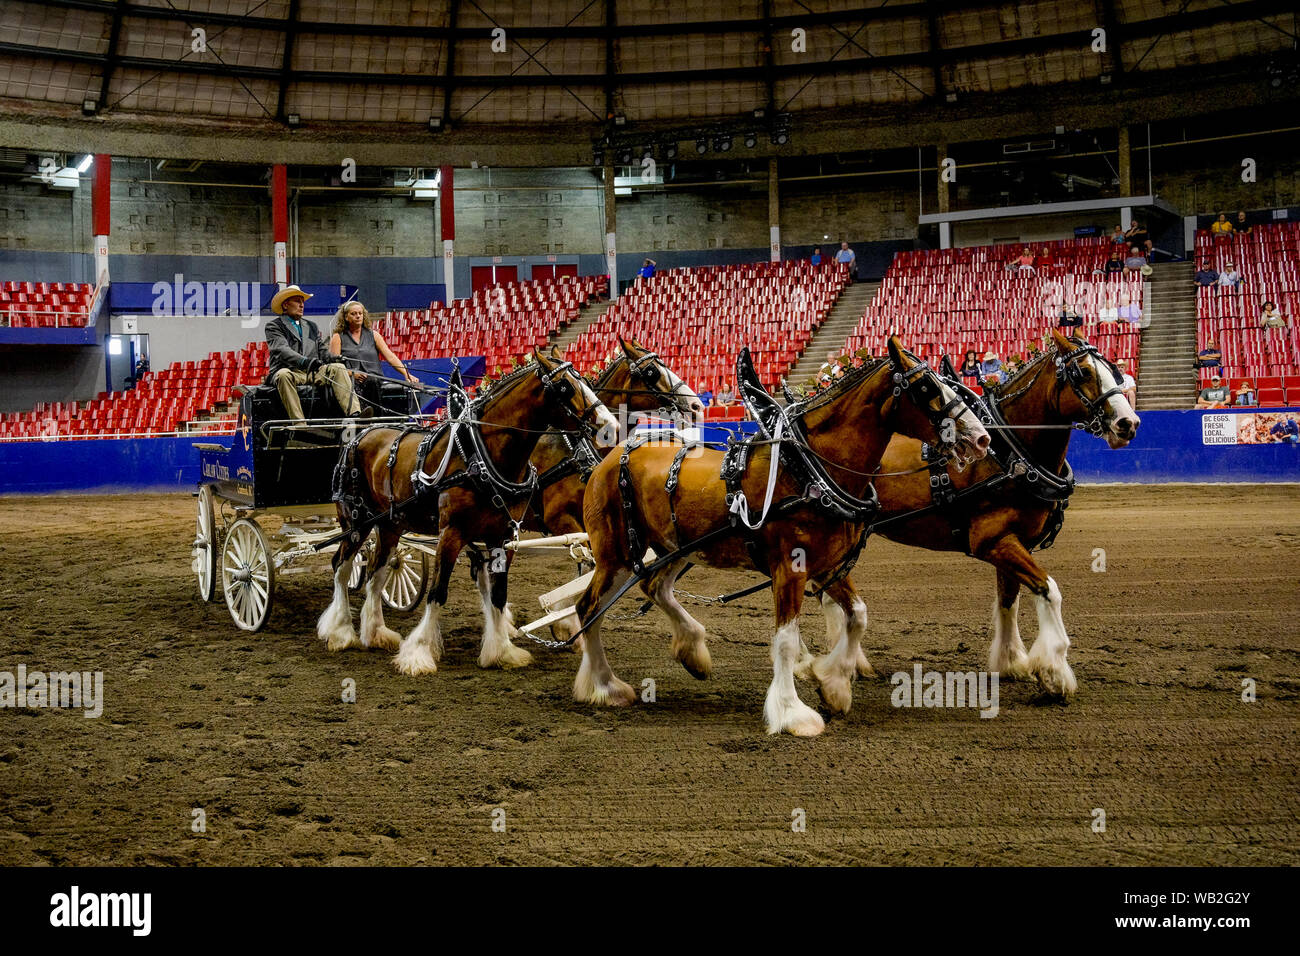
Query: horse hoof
x,y
803,667
836,691
864,666
696,659
385,639
616,693
1057,681
1016,669
509,659
797,718
414,661
342,640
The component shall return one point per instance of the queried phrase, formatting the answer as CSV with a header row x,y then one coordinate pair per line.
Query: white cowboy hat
x,y
288,292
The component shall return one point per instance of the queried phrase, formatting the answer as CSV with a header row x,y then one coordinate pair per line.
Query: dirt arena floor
x,y
1199,593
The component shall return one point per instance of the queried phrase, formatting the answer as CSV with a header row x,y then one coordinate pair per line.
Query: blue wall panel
x,y
1168,448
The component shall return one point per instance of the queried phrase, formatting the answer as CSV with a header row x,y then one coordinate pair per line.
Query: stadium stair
x,y
587,315
1166,378
832,334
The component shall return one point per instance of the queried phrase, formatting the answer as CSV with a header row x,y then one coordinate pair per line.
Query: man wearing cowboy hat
x,y
298,356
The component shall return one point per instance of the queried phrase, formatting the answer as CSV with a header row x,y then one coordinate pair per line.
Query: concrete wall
x,y
32,374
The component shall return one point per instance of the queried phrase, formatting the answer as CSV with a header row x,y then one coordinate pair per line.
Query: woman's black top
x,y
362,356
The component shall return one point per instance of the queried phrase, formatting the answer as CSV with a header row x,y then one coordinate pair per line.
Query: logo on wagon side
x,y
243,473
213,469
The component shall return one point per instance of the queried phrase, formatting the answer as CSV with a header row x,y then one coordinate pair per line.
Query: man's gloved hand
x,y
313,366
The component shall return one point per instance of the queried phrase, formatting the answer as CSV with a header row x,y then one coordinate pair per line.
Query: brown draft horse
x,y
639,382
470,491
848,428
1069,383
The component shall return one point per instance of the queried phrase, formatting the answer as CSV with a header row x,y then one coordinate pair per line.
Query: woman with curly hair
x,y
360,347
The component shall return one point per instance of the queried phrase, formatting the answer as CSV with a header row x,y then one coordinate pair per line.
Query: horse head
x,y
568,393
645,379
1088,390
934,404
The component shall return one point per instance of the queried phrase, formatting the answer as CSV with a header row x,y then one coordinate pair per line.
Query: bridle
x,y
559,384
1069,371
918,382
648,370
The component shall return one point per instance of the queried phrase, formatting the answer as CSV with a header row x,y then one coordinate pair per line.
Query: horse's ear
x,y
622,344
1063,344
556,354
896,353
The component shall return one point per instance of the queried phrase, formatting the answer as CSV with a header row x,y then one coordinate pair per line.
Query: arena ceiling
x,y
537,84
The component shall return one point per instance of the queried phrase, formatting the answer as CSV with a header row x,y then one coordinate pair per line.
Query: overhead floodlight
x,y
85,163
435,124
780,137
1105,79
89,106
751,140
760,113
293,119
625,156
951,97
598,157
670,151
701,146
620,119
722,143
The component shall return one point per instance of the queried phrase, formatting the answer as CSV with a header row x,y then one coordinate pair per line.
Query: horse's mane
x,y
1024,372
506,381
844,383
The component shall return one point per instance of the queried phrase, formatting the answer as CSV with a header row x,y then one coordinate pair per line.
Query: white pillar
x,y
101,259
281,264
449,269
945,235
775,251
611,261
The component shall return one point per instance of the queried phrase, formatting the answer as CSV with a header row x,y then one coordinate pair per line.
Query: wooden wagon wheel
x,y
247,574
204,552
406,583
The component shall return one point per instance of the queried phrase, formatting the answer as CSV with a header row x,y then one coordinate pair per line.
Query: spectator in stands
x,y
1210,357
849,258
1128,384
647,270
991,369
970,368
1271,318
1221,226
1025,261
725,395
1129,311
1213,396
826,371
1118,238
1206,276
1137,235
1013,366
1241,228
1045,259
706,397
299,357
1108,313
360,346
1135,260
1229,278
1246,394
1070,317
1114,263
817,255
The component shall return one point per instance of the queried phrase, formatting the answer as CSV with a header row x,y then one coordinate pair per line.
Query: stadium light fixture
x,y
89,106
85,163
435,124
951,97
625,156
1105,79
760,113
620,119
722,143
751,140
293,119
670,151
780,137
701,146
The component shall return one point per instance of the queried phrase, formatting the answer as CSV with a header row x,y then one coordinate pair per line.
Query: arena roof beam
x,y
611,65
1114,38
449,73
936,65
110,56
286,62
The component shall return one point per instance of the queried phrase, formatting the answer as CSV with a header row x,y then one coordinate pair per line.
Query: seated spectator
x,y
1271,318
1127,383
1215,395
1025,261
1241,228
1118,238
826,371
1114,263
1108,314
849,258
1206,276
991,369
1135,260
1246,394
647,269
970,368
1229,278
706,397
1137,235
1221,226
1013,366
1130,312
725,395
1070,317
1210,357
817,255
1045,259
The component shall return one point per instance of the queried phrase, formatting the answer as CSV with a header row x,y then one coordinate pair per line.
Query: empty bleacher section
x,y
45,305
1268,259
500,322
698,319
953,300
